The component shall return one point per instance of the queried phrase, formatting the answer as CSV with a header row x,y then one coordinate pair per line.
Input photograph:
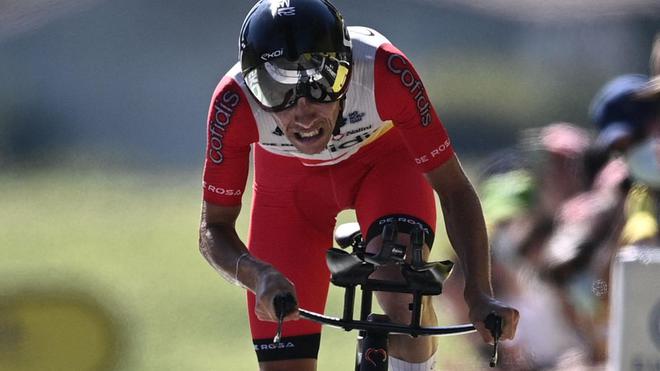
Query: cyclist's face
x,y
308,125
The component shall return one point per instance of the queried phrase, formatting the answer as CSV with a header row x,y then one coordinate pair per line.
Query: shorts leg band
x,y
404,223
293,347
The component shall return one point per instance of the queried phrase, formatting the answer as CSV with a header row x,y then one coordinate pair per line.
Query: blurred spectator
x,y
559,151
627,113
561,173
553,224
642,160
576,257
590,227
652,90
510,193
621,118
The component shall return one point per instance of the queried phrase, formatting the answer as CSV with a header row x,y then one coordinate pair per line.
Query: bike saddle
x,y
347,269
347,233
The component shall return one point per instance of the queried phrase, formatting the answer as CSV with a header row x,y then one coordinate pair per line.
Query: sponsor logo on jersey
x,y
221,191
399,66
274,346
351,132
223,109
334,147
274,144
278,131
435,152
355,117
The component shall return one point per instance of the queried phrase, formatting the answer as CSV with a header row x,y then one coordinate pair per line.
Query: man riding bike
x,y
337,118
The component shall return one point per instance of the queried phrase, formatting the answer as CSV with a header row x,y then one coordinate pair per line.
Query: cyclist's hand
x,y
271,283
482,306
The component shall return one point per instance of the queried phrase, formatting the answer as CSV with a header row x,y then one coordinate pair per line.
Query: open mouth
x,y
309,136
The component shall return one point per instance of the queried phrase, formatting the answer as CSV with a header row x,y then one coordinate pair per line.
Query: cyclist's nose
x,y
304,112
303,103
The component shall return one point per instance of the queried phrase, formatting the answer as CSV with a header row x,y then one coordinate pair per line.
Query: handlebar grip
x,y
494,323
284,304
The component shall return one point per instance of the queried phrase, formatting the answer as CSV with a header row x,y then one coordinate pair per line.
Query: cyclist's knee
x,y
397,308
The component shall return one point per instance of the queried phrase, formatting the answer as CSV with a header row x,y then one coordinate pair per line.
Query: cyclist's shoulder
x,y
366,36
233,78
370,46
231,103
366,42
232,87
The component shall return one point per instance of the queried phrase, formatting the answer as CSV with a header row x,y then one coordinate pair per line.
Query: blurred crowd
x,y
559,205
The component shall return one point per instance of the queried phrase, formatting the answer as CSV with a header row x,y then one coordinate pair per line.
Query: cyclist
x,y
337,118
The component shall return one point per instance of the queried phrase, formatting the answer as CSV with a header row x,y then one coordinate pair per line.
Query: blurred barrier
x,y
56,331
634,339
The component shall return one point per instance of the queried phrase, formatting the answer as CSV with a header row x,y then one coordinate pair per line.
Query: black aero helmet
x,y
295,48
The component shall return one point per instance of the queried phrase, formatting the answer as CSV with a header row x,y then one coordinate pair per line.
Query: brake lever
x,y
283,304
494,323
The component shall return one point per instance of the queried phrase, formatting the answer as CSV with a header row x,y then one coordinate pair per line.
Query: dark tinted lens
x,y
319,93
278,83
270,93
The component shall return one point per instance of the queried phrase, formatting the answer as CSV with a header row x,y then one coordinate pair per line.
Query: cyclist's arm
x,y
220,245
231,129
465,225
224,250
467,233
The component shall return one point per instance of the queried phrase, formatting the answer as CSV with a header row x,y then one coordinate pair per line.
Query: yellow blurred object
x,y
42,331
641,223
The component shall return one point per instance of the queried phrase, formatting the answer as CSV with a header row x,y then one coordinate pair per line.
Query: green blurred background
x,y
102,129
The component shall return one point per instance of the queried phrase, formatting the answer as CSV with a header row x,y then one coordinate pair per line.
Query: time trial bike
x,y
350,270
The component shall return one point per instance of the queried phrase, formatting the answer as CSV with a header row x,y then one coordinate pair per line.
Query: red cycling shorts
x,y
293,218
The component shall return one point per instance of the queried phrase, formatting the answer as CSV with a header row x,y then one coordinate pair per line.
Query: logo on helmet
x,y
283,8
286,11
274,54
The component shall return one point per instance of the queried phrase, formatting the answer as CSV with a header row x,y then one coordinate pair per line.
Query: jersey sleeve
x,y
231,129
402,98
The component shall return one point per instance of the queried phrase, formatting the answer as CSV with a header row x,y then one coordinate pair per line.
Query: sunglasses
x,y
278,84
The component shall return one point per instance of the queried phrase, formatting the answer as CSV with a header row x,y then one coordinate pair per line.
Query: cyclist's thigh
x,y
291,228
395,190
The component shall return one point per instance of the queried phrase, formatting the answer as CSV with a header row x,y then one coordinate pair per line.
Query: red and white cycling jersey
x,y
385,93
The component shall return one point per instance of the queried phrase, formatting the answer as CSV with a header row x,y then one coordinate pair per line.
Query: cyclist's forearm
x,y
467,234
227,254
